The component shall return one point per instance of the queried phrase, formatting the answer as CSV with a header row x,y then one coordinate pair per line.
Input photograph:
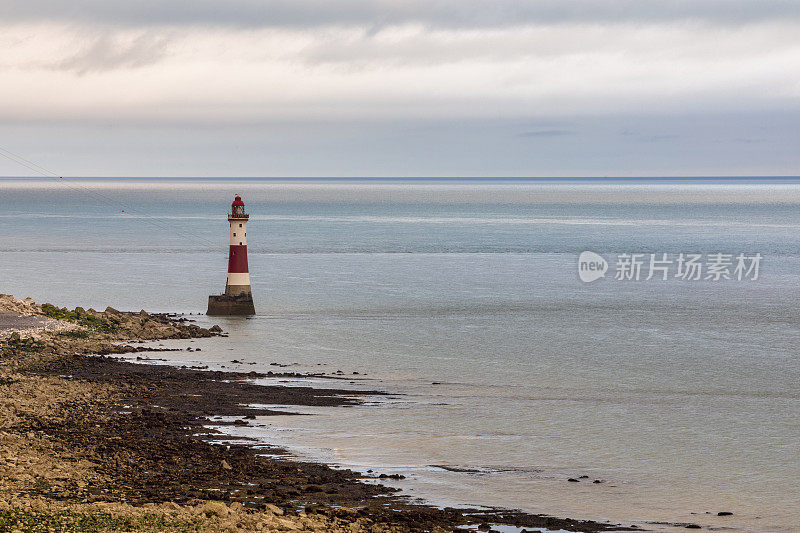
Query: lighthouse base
x,y
225,304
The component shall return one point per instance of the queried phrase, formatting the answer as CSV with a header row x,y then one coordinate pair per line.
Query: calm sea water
x,y
462,299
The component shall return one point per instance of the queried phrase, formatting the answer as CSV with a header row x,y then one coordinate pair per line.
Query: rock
x,y
225,465
573,480
216,329
583,477
286,524
597,481
724,513
692,526
212,508
274,509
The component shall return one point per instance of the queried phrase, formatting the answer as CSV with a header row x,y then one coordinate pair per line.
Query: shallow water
x,y
682,396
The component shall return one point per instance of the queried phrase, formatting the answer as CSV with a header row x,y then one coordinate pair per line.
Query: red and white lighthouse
x,y
238,298
238,273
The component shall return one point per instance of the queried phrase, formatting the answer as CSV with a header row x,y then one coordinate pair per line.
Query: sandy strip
x,y
29,325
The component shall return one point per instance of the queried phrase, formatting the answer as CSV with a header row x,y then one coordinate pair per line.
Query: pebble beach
x,y
92,442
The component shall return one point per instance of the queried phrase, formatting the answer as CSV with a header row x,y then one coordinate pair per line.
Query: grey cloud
x,y
375,14
413,148
658,138
649,137
108,53
546,133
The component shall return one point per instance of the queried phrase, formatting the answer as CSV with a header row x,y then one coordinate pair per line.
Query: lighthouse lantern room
x,y
238,298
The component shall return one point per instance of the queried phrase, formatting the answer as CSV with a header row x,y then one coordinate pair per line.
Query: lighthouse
x,y
238,298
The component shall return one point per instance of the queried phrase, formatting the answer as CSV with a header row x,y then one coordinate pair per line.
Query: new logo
x,y
591,266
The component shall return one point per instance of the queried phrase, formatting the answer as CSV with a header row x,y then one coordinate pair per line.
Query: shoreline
x,y
86,435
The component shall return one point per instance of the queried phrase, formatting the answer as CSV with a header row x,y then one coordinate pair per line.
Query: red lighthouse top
x,y
237,209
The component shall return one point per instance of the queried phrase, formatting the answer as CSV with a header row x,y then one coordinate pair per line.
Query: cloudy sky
x,y
401,87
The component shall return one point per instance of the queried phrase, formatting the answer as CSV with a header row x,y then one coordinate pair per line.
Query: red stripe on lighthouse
x,y
237,259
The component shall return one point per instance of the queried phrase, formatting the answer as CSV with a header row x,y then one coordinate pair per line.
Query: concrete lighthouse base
x,y
225,304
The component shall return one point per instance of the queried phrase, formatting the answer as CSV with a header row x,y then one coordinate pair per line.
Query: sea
x,y
505,373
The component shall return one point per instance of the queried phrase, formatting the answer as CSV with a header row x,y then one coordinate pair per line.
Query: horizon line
x,y
420,178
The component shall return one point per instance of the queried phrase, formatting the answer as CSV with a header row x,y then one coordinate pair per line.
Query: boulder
x,y
212,508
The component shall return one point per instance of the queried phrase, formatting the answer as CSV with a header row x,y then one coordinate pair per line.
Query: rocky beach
x,y
90,442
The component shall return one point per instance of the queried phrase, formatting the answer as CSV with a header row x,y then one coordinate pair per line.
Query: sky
x,y
401,87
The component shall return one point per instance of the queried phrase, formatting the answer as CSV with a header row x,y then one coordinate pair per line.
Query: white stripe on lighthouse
x,y
238,278
239,235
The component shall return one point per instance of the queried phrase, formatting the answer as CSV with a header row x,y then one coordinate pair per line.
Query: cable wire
x,y
145,217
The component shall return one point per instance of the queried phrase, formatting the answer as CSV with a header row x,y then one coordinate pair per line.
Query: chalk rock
x,y
212,508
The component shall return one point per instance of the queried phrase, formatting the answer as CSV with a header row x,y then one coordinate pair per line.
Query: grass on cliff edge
x,y
74,334
16,519
79,316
